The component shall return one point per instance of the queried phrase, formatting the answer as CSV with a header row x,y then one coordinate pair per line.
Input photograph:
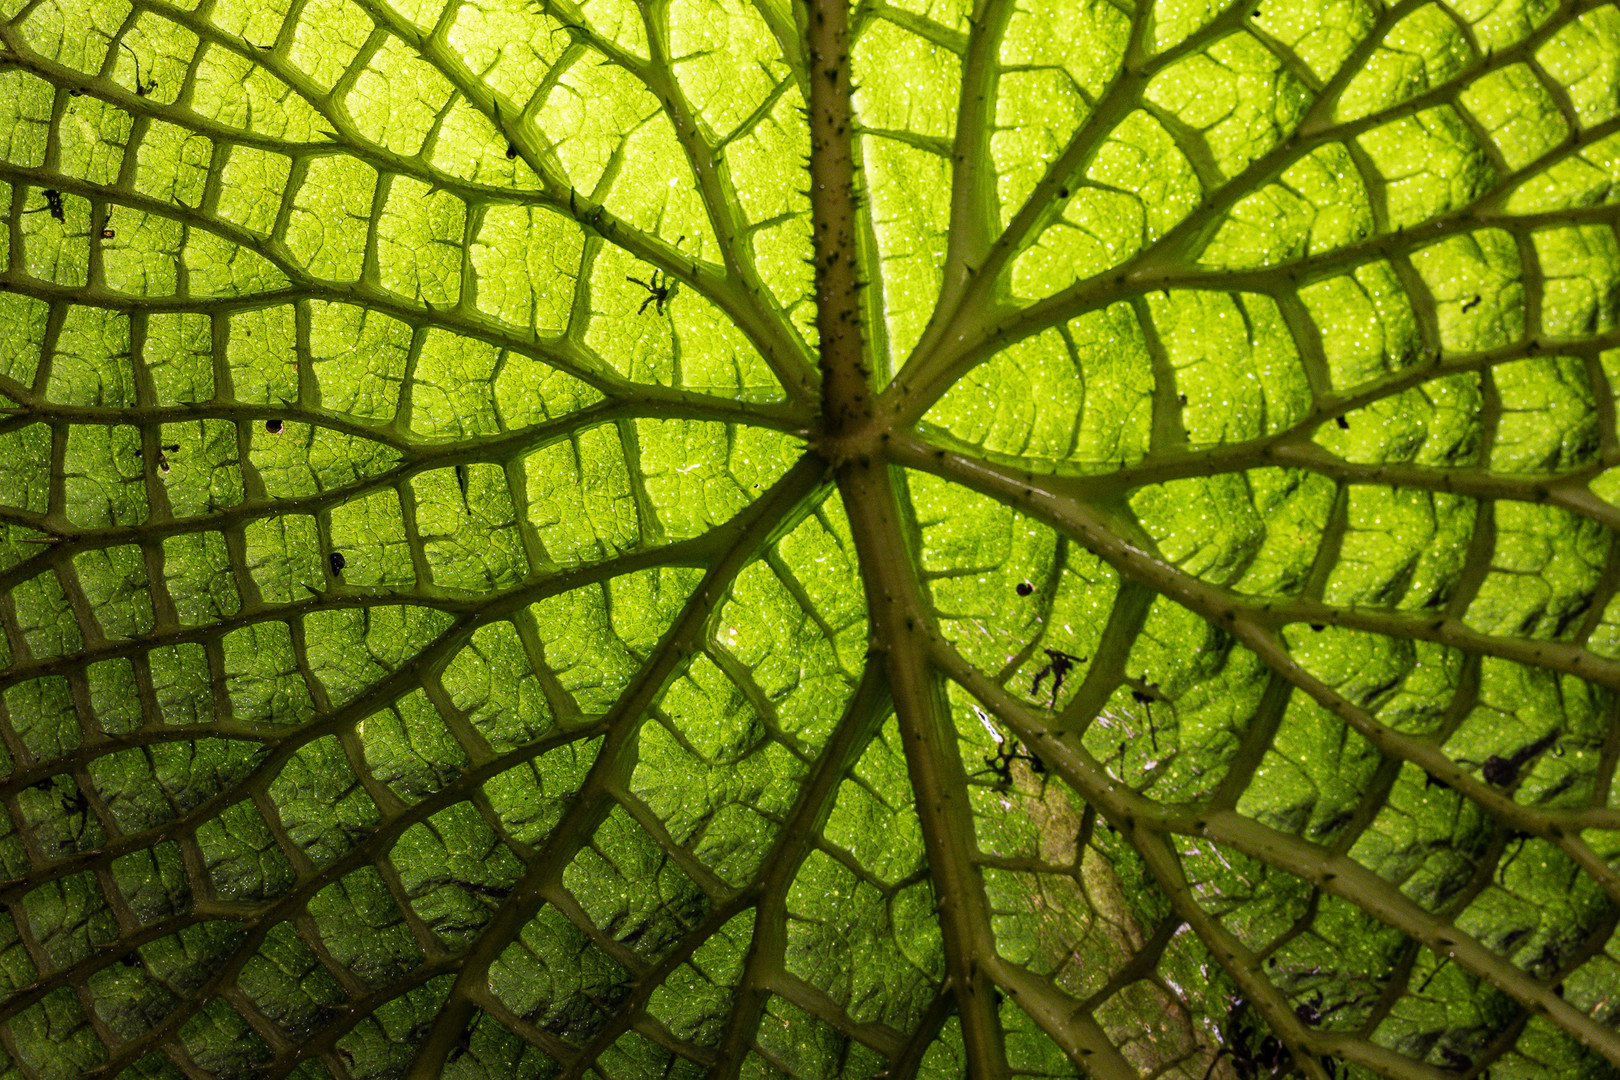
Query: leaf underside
x,y
438,639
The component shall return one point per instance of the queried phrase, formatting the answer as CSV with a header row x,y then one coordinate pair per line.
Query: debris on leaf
x,y
1059,665
1502,771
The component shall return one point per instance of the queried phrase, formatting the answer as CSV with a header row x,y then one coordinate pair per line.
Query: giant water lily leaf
x,y
674,538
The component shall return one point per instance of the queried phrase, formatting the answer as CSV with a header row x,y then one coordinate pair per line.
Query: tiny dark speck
x,y
338,562
511,150
1025,588
273,426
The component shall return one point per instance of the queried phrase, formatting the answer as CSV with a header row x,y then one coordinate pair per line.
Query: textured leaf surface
x,y
472,607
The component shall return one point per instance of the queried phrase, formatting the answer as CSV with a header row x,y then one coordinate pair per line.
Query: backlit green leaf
x,y
667,538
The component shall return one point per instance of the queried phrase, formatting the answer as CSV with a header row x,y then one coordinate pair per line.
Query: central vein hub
x,y
860,446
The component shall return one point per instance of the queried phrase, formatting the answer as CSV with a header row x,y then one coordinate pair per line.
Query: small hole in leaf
x,y
1344,425
338,562
1025,588
273,426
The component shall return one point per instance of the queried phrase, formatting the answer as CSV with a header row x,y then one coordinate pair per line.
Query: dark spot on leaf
x,y
273,426
1470,305
1025,588
1310,1012
1344,425
338,562
1334,823
1502,771
1456,1061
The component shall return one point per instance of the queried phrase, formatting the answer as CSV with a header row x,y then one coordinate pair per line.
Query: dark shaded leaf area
x,y
438,640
